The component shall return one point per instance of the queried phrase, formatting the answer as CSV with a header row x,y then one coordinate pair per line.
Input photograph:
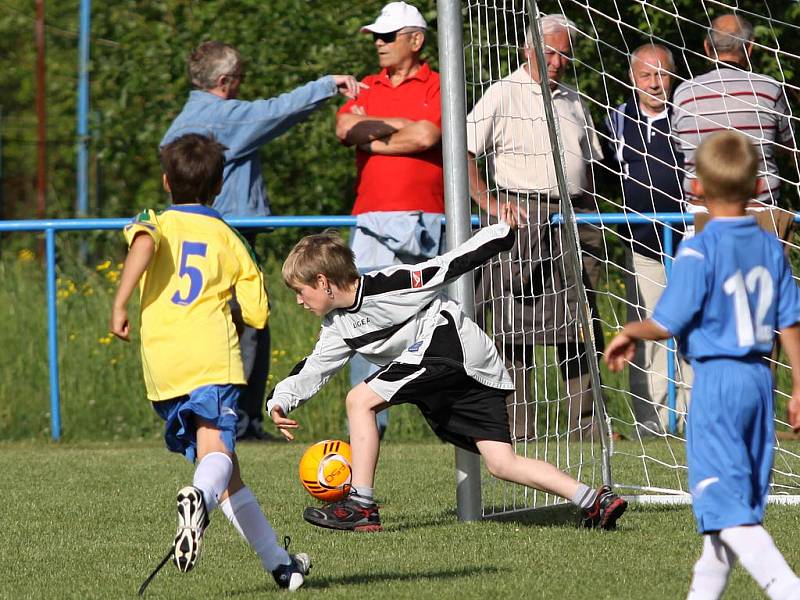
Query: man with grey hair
x,y
534,299
730,96
651,174
213,109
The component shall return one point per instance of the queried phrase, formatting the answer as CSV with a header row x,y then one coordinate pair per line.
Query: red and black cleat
x,y
346,515
608,507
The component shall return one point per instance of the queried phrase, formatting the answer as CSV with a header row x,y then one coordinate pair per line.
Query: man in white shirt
x,y
537,304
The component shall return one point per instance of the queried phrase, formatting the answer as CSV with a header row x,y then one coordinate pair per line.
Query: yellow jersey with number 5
x,y
188,334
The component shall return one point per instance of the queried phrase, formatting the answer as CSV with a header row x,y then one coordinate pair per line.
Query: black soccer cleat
x,y
608,507
292,576
192,522
345,515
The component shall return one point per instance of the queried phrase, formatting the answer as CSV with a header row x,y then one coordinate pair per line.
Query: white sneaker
x,y
192,522
292,576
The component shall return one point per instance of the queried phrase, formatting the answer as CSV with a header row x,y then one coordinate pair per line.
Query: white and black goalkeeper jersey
x,y
402,314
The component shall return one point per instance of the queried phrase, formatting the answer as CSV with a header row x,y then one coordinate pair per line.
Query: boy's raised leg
x,y
197,501
757,553
601,508
358,511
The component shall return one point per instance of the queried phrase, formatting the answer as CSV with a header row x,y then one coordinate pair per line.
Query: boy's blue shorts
x,y
216,404
730,437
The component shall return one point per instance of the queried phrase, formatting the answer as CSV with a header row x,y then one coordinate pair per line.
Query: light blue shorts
x,y
215,404
730,438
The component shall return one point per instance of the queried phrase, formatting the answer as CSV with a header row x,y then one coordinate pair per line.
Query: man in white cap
x,y
395,125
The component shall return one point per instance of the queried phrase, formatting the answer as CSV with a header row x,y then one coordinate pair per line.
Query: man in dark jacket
x,y
652,173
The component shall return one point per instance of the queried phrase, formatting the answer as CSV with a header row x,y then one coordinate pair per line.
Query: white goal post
x,y
576,276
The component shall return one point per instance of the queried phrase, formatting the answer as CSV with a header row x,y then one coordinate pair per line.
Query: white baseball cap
x,y
394,17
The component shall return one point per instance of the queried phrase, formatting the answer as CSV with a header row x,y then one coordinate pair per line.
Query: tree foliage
x,y
139,82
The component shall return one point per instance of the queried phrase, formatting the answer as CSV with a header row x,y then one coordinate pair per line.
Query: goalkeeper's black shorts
x,y
459,409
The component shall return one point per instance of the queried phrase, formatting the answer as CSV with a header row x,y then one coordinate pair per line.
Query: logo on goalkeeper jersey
x,y
416,279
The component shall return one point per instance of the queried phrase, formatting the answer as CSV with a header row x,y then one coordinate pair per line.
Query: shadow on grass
x,y
365,578
567,515
373,578
409,521
659,508
560,515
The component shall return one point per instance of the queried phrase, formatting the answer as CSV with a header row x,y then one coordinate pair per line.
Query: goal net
x,y
565,289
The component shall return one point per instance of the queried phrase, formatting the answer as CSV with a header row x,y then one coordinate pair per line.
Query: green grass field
x,y
91,521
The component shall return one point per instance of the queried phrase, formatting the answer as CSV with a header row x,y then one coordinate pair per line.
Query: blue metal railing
x,y
50,227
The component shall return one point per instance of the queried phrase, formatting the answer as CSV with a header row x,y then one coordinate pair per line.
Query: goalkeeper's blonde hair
x,y
323,253
727,166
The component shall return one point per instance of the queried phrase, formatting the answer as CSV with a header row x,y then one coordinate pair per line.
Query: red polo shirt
x,y
411,181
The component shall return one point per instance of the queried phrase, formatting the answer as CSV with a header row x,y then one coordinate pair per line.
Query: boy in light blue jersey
x,y
189,263
731,288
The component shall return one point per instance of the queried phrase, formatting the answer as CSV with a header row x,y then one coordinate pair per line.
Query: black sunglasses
x,y
388,38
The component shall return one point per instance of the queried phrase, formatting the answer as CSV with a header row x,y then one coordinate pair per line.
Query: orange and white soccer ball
x,y
325,470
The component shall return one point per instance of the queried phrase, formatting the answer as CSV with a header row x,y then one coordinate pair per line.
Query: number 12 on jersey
x,y
195,275
738,286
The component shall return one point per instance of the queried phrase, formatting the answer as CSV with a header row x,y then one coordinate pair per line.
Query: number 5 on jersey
x,y
195,275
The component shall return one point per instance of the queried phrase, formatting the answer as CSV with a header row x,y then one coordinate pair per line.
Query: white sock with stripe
x,y
363,495
245,514
211,477
584,497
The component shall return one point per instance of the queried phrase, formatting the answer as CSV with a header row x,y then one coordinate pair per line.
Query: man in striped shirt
x,y
730,96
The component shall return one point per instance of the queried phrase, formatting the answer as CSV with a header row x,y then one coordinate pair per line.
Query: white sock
x,y
212,476
711,570
584,497
243,511
757,553
363,495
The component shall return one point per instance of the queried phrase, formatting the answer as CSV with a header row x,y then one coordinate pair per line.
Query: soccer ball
x,y
325,470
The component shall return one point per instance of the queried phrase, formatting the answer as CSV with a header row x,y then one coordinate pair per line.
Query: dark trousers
x,y
255,346
572,358
576,393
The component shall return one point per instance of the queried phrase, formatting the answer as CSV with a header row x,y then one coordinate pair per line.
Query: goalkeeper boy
x,y
191,263
730,289
430,355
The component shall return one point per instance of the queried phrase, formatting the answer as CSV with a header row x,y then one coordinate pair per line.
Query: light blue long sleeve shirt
x,y
244,127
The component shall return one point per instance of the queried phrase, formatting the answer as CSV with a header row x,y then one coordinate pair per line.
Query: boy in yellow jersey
x,y
190,264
